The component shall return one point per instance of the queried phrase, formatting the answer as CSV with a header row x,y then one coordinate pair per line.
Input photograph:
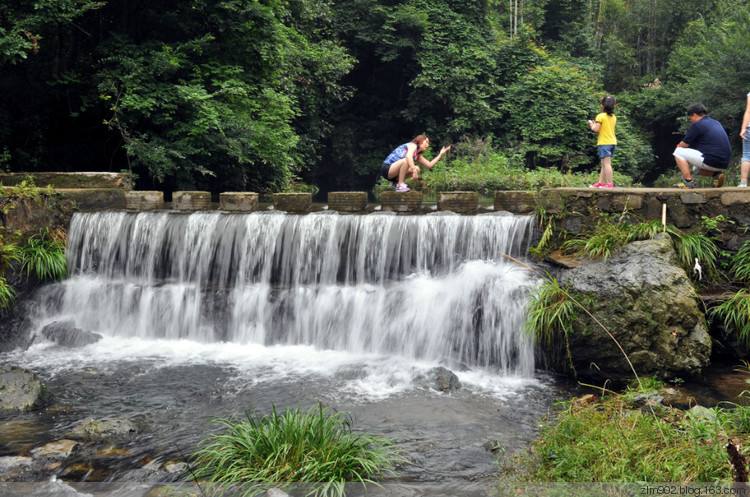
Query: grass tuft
x,y
44,256
692,246
7,293
740,265
315,447
735,314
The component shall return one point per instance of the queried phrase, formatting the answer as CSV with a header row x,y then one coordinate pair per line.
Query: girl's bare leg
x,y
607,174
744,170
398,170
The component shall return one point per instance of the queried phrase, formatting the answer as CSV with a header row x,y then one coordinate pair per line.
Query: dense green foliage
x,y
614,441
44,257
252,95
316,447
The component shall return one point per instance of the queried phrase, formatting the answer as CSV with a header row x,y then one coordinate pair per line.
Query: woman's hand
x,y
414,170
445,149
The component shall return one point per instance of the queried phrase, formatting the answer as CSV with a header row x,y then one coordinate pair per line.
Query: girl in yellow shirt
x,y
604,126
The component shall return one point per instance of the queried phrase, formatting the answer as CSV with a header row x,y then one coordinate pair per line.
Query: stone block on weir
x,y
347,201
401,202
144,200
238,201
459,202
299,203
518,201
191,200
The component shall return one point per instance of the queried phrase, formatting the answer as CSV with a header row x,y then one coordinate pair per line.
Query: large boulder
x,y
20,390
646,300
65,334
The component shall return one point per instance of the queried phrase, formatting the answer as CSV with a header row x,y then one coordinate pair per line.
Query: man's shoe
x,y
686,184
719,180
742,185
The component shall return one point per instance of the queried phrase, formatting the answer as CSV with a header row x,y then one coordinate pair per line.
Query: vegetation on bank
x,y
551,309
40,255
630,438
315,447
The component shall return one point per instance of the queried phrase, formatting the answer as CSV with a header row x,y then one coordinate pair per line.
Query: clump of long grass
x,y
44,256
740,265
692,246
7,293
315,447
606,239
735,314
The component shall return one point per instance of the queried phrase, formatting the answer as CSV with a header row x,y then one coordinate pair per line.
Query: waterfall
x,y
433,287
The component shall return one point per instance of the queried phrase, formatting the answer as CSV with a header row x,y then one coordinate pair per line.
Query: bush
x,y
315,447
493,171
7,293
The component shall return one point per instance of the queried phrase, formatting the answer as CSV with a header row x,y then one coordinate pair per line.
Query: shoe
x,y
742,185
607,186
719,180
686,184
596,185
402,188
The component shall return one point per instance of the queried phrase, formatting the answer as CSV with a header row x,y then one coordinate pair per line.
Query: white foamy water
x,y
280,295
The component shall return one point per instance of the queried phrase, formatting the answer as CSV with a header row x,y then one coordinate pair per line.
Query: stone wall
x,y
70,180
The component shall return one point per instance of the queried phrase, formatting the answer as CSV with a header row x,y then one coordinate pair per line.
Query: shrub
x,y
44,256
315,447
493,171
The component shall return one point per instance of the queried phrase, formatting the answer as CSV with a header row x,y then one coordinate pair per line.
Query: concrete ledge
x,y
347,201
515,201
191,201
238,201
144,200
299,203
401,202
459,202
92,199
70,180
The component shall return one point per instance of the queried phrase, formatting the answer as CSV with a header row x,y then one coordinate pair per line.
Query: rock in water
x,y
98,430
65,334
440,379
20,390
648,303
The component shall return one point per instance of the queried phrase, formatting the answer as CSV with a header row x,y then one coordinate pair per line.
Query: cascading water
x,y
433,287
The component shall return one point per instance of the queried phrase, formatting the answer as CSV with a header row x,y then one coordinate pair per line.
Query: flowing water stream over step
x,y
215,314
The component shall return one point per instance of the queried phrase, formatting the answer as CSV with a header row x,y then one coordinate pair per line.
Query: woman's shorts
x,y
746,146
384,170
606,150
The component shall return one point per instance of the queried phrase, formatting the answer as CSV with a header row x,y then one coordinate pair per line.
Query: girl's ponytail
x,y
608,104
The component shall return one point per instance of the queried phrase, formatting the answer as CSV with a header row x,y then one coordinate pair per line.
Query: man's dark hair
x,y
699,109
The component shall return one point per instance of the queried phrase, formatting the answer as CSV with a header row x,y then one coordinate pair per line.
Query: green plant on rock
x,y
607,238
314,447
44,256
550,315
740,264
714,223
735,314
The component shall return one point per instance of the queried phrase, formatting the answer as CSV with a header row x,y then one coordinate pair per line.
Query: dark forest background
x,y
261,95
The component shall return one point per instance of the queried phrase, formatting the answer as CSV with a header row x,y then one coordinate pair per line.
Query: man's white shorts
x,y
695,159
